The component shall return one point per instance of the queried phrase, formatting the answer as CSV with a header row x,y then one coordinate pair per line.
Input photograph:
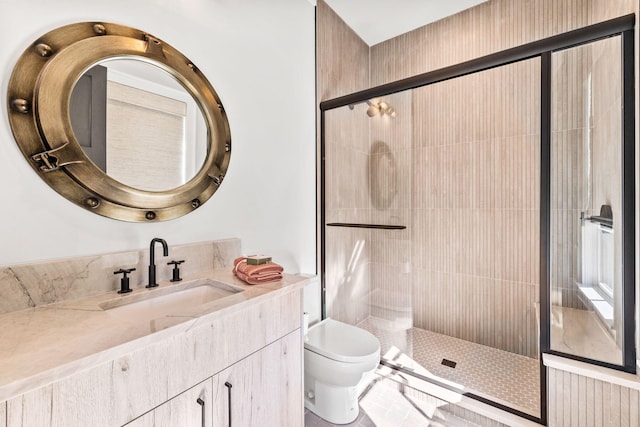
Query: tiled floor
x,y
385,404
501,376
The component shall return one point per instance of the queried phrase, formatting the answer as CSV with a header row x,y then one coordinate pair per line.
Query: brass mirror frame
x,y
38,97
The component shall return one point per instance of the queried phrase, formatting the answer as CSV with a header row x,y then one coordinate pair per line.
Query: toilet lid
x,y
342,342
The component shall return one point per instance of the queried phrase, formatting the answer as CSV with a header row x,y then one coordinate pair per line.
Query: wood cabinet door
x,y
264,389
193,408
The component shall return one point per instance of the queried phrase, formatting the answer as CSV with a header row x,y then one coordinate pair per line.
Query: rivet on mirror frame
x,y
92,202
218,179
150,215
20,105
99,29
195,203
43,49
227,146
221,108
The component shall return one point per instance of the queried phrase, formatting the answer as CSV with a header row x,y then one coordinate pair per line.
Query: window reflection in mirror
x,y
586,201
137,123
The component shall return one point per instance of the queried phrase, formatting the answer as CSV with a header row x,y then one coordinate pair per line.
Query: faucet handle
x,y
124,281
176,270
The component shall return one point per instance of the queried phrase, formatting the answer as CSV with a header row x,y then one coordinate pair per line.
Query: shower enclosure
x,y
449,225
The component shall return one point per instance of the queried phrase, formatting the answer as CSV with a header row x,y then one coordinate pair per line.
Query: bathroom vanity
x,y
234,360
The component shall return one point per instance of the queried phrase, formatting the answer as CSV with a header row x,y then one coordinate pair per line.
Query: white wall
x,y
259,55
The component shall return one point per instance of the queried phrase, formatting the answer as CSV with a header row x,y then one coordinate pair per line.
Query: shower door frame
x,y
623,27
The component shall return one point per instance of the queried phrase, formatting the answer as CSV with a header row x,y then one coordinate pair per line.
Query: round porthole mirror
x,y
119,122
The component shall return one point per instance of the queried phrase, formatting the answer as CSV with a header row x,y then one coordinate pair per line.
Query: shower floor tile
x,y
503,377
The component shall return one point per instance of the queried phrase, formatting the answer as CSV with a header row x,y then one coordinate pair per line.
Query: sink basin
x,y
172,300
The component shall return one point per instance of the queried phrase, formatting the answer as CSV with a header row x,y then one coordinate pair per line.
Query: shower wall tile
x,y
496,313
347,160
475,216
487,28
391,170
565,262
580,401
342,68
569,97
342,57
347,272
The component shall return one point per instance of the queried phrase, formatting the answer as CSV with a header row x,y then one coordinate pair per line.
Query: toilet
x,y
339,362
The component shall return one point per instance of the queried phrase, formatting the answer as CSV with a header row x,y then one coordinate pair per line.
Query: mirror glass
x,y
586,201
138,124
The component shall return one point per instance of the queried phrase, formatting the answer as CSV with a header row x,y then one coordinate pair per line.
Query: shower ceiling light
x,y
381,108
373,110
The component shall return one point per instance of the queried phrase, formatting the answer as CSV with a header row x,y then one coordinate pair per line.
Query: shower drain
x,y
449,363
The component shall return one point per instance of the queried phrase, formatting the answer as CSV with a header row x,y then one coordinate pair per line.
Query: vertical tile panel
x,y
599,418
566,399
607,413
590,407
574,394
343,58
581,401
625,407
634,404
616,405
552,397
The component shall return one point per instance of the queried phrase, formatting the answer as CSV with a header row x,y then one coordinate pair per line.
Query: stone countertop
x,y
41,345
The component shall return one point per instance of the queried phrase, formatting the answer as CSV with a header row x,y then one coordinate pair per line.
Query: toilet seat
x,y
342,342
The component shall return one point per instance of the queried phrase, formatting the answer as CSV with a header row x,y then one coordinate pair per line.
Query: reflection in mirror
x,y
138,124
586,205
382,175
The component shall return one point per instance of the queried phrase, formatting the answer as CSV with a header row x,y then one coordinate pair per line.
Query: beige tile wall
x,y
343,67
476,207
390,174
342,58
579,401
347,251
489,27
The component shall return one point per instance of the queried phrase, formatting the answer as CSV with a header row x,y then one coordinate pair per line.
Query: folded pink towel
x,y
256,274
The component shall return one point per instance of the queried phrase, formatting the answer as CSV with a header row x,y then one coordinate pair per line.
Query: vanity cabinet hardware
x,y
201,403
124,281
228,385
176,270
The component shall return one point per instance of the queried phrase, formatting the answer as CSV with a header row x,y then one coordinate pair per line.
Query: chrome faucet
x,y
152,260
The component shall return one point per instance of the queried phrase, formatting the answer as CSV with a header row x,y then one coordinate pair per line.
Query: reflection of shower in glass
x,y
587,148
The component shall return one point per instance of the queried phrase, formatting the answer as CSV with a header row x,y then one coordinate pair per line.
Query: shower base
x,y
500,376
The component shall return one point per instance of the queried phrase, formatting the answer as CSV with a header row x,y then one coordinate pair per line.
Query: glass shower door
x,y
432,230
